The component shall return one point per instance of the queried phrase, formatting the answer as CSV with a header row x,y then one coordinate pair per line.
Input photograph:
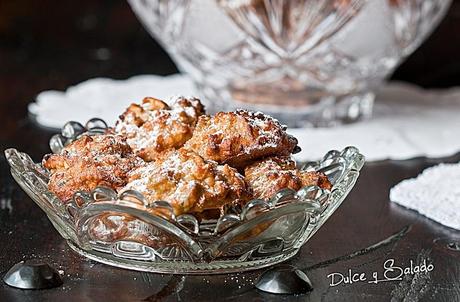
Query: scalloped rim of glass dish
x,y
263,233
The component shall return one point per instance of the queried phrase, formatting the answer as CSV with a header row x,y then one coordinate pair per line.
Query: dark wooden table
x,y
52,44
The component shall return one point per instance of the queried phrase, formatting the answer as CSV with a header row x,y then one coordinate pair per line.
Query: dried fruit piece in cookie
x,y
265,178
90,161
237,138
189,183
154,127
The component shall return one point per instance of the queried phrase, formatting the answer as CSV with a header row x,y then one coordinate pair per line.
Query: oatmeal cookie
x,y
90,161
240,137
270,175
154,126
189,183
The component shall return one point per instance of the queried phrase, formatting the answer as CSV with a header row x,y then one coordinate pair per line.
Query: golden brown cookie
x,y
189,183
266,177
90,161
240,137
154,126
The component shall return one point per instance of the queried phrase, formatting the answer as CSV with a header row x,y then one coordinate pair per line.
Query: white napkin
x,y
435,193
408,121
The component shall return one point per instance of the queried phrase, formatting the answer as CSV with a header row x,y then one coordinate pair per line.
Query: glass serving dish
x,y
151,238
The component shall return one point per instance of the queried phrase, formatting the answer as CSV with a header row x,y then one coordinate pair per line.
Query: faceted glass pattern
x,y
306,62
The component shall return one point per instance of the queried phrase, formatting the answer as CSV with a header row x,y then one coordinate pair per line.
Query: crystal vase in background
x,y
306,62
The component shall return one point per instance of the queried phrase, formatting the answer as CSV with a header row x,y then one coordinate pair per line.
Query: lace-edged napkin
x,y
408,121
435,193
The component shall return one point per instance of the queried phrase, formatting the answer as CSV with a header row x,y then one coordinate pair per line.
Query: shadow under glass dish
x,y
305,62
151,238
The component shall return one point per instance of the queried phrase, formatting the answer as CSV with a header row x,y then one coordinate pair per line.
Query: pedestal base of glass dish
x,y
295,108
183,267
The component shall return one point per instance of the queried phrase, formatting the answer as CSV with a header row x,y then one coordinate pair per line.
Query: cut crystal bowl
x,y
151,238
305,62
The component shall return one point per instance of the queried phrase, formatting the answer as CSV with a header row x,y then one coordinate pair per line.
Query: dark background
x,y
51,44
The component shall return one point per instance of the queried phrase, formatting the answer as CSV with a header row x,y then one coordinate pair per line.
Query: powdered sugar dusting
x,y
186,181
160,125
268,136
